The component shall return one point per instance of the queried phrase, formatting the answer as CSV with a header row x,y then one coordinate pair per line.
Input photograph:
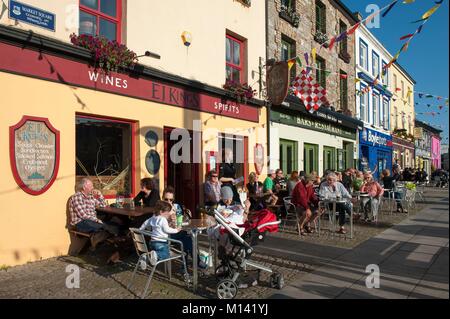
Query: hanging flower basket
x,y
290,15
321,38
242,92
107,55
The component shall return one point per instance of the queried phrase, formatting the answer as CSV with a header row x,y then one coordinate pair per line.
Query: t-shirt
x,y
268,184
159,227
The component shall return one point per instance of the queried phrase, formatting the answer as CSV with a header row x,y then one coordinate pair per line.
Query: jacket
x,y
304,196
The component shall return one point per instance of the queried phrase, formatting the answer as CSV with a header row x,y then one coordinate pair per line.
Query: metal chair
x,y
420,189
408,200
291,211
142,249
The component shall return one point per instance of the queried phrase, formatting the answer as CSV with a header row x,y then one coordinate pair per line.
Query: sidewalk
x,y
412,257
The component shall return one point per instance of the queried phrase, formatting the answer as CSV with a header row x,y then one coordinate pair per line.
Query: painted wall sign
x,y
58,69
259,158
32,15
152,162
312,124
374,138
277,82
34,154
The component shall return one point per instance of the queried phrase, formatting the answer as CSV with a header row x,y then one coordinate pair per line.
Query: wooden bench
x,y
78,241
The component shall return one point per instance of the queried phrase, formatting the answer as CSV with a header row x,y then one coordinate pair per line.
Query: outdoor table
x,y
127,211
335,201
195,227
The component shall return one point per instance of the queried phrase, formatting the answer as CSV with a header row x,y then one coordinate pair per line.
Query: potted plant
x,y
107,55
321,38
290,15
242,92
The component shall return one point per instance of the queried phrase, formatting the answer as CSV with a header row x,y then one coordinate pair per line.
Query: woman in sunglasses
x,y
212,189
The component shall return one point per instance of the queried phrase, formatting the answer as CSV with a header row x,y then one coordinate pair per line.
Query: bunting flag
x,y
299,62
310,92
290,63
357,80
419,29
306,58
327,73
343,76
439,98
404,47
353,29
430,12
428,95
406,36
420,95
313,55
341,36
408,1
440,107
331,45
398,89
389,8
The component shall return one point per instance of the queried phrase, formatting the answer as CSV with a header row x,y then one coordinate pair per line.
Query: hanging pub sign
x,y
34,154
259,158
277,82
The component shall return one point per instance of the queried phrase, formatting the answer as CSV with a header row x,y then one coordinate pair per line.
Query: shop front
x,y
301,141
375,151
436,152
63,120
402,152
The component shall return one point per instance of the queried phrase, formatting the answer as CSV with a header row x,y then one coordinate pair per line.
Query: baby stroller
x,y
231,264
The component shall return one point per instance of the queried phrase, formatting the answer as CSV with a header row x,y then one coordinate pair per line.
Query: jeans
x,y
185,239
161,248
89,226
342,209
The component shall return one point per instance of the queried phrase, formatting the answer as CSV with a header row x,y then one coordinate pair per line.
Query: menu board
x,y
35,154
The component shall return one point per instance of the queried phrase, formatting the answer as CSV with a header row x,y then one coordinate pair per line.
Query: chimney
x,y
357,15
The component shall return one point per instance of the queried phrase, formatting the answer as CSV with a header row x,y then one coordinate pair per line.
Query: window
x,y
320,71
403,120
288,4
343,91
104,153
342,43
101,18
363,108
385,73
234,59
386,114
375,109
409,96
403,89
396,117
288,52
409,124
288,156
375,64
395,84
321,17
329,158
363,54
239,145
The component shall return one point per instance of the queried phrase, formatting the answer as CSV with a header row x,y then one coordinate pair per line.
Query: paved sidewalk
x,y
412,257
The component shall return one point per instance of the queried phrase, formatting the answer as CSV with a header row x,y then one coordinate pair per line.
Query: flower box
x,y
242,92
290,15
321,38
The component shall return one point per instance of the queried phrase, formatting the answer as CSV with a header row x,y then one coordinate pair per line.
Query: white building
x,y
373,101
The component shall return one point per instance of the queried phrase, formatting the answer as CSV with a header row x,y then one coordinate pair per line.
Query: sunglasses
x,y
168,199
214,175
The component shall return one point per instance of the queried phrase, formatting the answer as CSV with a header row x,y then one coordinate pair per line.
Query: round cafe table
x,y
333,201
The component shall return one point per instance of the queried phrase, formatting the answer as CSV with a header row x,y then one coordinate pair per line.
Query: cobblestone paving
x,y
47,278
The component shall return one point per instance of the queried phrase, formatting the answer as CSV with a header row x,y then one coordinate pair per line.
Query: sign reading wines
x,y
34,154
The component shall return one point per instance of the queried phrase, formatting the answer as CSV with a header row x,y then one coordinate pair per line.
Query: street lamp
x,y
150,54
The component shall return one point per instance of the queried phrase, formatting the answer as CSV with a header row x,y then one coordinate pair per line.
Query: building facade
x,y
425,134
436,152
402,116
167,118
373,100
298,140
444,157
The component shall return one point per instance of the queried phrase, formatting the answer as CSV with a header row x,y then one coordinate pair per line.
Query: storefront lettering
x,y
226,107
108,80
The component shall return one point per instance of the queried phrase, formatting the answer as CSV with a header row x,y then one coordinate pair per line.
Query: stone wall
x,y
303,36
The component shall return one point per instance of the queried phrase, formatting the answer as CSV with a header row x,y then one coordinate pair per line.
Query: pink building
x,y
436,151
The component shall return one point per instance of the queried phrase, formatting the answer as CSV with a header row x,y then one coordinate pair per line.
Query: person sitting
x,y
83,216
280,180
149,193
212,189
268,188
332,188
292,181
255,192
347,179
306,203
358,181
375,191
389,184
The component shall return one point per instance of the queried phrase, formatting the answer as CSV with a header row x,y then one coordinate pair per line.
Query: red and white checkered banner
x,y
310,92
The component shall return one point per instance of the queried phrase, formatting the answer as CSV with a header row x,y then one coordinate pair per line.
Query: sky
x,y
427,59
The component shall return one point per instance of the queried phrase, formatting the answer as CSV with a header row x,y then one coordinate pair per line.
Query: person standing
x,y
212,189
227,173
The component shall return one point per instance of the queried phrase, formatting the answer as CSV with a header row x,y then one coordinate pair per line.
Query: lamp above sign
x,y
277,82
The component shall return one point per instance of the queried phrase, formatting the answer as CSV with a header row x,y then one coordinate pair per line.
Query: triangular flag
x,y
428,105
419,29
420,95
429,95
398,89
389,8
290,63
306,58
331,45
341,36
357,80
404,47
327,73
406,36
353,29
299,62
430,12
343,76
438,98
313,55
408,1
440,107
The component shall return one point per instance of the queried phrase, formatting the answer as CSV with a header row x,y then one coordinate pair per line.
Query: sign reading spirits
x,y
34,154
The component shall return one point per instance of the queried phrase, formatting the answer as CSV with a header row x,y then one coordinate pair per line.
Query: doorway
x,y
288,156
183,176
310,158
329,158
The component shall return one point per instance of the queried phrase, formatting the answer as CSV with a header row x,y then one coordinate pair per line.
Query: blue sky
x,y
428,55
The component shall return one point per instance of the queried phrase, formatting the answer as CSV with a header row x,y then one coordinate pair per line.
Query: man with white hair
x,y
82,210
332,188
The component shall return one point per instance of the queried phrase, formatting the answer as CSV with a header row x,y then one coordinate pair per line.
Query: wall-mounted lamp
x,y
187,38
150,55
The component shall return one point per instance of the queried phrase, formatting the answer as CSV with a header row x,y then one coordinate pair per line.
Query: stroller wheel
x,y
276,281
223,271
227,289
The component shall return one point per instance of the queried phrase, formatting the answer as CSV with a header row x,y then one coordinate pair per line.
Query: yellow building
x,y
402,116
66,119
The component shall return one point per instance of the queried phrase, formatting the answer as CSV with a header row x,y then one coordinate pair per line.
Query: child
x,y
159,227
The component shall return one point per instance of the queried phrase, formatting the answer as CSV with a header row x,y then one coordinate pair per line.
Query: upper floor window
x,y
234,59
375,109
385,114
375,64
395,83
321,17
287,4
288,52
363,54
396,117
320,72
343,90
409,96
384,72
363,109
342,43
403,89
101,18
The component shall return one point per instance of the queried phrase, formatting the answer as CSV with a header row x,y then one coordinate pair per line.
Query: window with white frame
x,y
385,73
363,107
386,114
375,64
403,120
403,89
396,117
363,54
375,109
